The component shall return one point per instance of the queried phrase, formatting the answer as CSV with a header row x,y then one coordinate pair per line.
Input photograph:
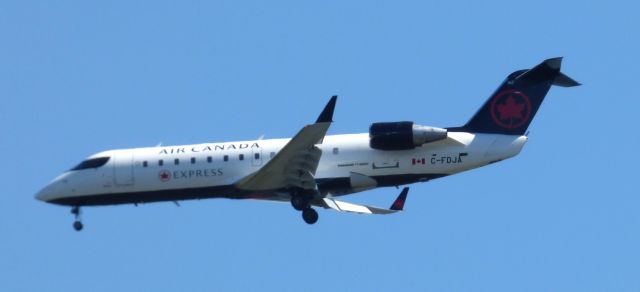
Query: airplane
x,y
312,169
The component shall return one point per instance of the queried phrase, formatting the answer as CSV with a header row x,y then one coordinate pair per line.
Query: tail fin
x,y
512,107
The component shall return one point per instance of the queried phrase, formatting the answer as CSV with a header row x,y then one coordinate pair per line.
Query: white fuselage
x,y
137,175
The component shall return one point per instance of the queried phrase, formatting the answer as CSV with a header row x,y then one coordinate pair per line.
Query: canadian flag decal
x,y
415,161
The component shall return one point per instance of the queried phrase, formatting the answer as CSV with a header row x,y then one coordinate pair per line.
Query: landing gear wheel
x,y
77,225
299,203
310,215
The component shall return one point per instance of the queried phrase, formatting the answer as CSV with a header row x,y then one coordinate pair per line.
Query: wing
x,y
296,164
397,205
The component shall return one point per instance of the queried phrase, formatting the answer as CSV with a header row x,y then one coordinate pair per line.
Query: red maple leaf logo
x,y
164,175
511,110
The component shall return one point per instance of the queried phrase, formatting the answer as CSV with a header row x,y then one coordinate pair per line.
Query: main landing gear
x,y
300,202
310,215
77,224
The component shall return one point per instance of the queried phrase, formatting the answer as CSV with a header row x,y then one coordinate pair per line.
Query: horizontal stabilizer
x,y
397,205
549,70
565,81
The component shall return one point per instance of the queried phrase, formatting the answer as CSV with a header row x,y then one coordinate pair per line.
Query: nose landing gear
x,y
77,224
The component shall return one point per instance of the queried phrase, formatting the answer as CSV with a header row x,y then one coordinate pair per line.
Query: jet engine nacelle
x,y
403,135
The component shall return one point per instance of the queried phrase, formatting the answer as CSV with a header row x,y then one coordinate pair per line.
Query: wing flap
x,y
397,205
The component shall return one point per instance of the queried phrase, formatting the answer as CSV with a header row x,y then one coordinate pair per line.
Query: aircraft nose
x,y
47,193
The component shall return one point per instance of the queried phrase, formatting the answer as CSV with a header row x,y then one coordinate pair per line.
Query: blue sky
x,y
77,78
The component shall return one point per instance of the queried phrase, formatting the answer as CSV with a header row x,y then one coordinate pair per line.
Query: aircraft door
x,y
256,156
123,169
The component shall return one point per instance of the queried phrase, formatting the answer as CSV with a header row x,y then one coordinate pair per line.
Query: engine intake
x,y
403,135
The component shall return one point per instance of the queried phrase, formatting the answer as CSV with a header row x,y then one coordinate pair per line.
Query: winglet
x,y
327,113
398,204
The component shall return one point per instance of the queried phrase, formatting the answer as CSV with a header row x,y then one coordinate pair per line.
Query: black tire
x,y
310,215
77,225
299,203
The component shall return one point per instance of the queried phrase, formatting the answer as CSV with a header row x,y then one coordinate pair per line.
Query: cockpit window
x,y
92,163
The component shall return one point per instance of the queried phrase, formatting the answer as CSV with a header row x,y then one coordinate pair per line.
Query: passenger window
x,y
160,162
176,161
256,156
144,164
336,150
272,154
226,158
193,160
241,156
209,159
